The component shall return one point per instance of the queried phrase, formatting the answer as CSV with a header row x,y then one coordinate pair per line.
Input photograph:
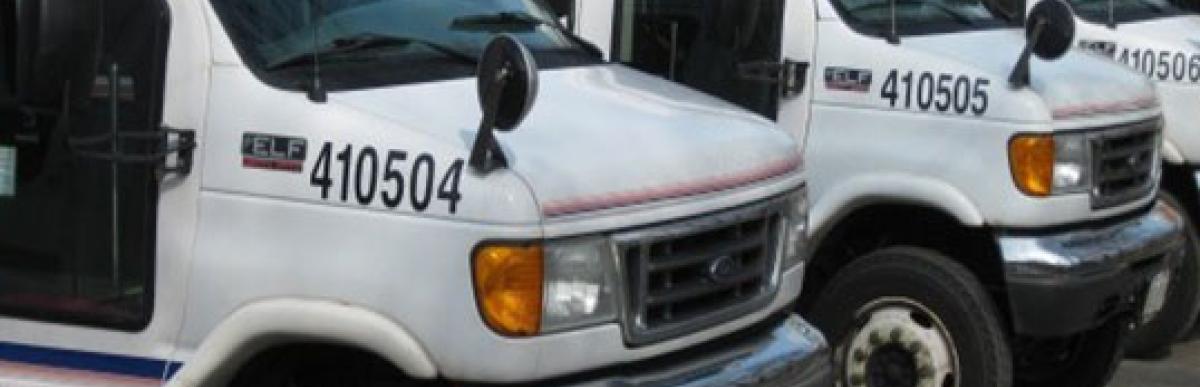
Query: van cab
x,y
353,192
1161,40
984,199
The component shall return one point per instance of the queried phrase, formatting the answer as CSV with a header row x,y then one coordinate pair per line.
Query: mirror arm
x,y
486,155
1020,75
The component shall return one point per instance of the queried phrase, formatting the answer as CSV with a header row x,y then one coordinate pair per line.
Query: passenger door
x,y
81,173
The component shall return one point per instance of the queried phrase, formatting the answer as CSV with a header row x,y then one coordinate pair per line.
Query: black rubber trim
x,y
1056,307
670,360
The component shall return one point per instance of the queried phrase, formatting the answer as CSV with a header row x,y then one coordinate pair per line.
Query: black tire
x,y
1087,360
319,365
1154,338
954,299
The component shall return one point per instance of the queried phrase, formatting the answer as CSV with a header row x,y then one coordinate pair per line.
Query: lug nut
x,y
876,339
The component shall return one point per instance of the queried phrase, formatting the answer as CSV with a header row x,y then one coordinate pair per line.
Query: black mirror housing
x,y
508,84
508,73
1050,28
1049,31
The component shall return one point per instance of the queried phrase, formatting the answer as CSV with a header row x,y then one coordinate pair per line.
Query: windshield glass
x,y
368,43
923,16
1097,11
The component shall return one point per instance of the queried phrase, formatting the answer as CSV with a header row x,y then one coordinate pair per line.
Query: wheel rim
x,y
897,342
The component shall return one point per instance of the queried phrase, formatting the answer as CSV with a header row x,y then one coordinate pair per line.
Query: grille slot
x,y
1125,160
700,272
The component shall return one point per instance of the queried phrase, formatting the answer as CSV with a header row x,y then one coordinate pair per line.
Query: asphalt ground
x,y
1181,368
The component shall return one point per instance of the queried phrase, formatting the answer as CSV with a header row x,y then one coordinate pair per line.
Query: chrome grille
x,y
1125,162
692,274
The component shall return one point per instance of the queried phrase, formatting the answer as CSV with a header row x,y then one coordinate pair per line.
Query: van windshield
x,y
1097,11
371,43
914,17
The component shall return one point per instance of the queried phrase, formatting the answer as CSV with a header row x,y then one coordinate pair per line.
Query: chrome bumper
x,y
1060,283
793,354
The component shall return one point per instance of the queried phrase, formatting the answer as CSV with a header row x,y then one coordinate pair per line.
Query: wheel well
x,y
1179,181
873,227
316,361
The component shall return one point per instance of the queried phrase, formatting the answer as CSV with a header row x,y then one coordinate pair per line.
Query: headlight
x,y
795,230
526,289
1045,164
581,280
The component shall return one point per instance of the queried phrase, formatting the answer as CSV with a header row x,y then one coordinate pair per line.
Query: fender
x,y
261,324
1171,153
852,194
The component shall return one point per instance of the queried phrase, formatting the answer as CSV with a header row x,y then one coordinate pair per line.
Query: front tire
x,y
911,317
314,365
1154,338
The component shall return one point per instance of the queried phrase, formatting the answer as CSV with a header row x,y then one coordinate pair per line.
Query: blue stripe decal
x,y
89,361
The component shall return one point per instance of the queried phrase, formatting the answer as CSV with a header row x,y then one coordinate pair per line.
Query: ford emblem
x,y
723,268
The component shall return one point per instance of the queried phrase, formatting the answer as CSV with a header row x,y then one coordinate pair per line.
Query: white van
x,y
296,193
1161,39
983,205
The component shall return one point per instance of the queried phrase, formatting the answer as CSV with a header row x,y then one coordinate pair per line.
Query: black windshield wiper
x,y
957,16
1153,7
498,22
366,42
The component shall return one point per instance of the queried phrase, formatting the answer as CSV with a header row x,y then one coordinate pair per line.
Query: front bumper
x,y
1066,282
793,353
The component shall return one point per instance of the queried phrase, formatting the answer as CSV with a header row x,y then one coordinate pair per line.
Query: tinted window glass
x,y
716,46
429,40
924,16
77,231
1097,11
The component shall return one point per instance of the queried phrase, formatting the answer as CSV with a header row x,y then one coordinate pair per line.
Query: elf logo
x,y
271,152
848,79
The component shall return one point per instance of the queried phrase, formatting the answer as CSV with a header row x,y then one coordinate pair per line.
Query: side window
x,y
76,212
720,47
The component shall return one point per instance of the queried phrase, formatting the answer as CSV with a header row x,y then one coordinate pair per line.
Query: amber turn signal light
x,y
508,287
1031,157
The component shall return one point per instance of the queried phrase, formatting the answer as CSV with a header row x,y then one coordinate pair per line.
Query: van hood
x,y
601,137
1077,85
1183,30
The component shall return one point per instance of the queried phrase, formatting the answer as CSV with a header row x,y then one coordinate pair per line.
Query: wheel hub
x,y
892,365
899,344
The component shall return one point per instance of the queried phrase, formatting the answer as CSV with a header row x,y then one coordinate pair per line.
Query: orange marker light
x,y
1031,157
508,288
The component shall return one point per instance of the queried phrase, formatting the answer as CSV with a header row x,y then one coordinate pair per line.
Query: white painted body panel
x,y
1176,34
861,150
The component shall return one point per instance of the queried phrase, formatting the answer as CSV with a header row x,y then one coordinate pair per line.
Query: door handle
x,y
791,76
141,148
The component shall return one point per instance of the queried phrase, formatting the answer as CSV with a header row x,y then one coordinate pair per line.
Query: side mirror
x,y
508,84
56,53
1049,30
